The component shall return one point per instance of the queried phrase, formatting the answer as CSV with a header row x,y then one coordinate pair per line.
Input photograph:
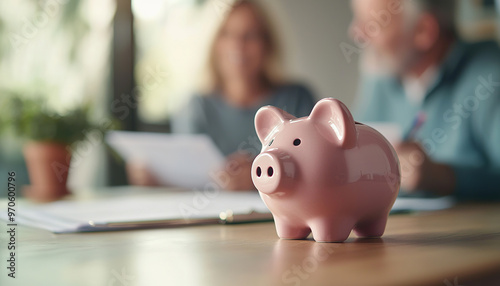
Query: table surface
x,y
459,246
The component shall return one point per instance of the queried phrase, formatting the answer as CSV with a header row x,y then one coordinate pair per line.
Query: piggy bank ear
x,y
337,120
267,119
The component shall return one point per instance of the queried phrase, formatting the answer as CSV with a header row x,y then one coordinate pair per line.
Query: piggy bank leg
x,y
331,230
288,231
371,228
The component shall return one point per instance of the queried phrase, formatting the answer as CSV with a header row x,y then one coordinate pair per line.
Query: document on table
x,y
145,209
422,204
185,160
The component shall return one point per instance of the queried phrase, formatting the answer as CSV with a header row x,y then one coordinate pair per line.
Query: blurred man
x,y
444,93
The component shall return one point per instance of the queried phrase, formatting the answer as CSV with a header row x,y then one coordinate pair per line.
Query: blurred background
x,y
139,61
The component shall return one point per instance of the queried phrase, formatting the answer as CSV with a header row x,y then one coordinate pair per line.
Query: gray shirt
x,y
232,128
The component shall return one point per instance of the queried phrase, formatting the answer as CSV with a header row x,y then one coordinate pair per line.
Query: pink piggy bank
x,y
325,173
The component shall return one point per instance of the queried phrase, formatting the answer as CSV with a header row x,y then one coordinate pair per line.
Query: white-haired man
x,y
444,93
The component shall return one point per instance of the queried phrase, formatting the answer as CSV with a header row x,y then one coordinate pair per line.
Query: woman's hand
x,y
139,174
419,172
238,167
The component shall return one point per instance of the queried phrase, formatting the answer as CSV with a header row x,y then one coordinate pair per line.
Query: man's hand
x,y
239,167
419,172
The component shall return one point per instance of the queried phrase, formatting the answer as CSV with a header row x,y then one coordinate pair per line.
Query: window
x,y
58,50
172,40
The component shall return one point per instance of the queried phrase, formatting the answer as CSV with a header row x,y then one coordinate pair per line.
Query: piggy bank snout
x,y
266,172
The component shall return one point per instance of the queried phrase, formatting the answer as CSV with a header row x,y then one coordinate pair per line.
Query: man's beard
x,y
375,63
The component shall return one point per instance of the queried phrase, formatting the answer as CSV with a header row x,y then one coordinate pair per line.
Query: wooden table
x,y
460,246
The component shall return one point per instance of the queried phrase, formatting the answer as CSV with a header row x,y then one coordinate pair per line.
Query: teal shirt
x,y
463,116
232,128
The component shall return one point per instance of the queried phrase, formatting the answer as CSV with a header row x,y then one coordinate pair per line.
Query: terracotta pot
x,y
48,167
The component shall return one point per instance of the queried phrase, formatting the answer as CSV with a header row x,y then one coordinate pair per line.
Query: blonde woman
x,y
243,76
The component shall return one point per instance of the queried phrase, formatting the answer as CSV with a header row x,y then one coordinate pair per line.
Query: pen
x,y
416,125
227,217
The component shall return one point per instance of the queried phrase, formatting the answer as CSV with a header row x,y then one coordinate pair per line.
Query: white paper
x,y
423,204
180,160
74,216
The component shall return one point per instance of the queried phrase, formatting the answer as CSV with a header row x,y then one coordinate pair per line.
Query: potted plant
x,y
48,137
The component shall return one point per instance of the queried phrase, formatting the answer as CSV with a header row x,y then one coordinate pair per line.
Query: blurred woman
x,y
243,75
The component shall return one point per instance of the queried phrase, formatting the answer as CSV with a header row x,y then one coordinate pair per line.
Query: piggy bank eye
x,y
271,143
296,142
